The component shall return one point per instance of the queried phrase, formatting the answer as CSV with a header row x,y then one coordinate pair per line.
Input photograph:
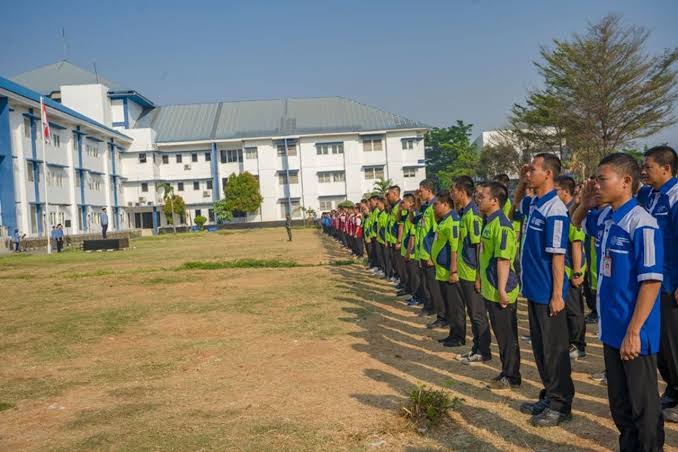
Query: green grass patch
x,y
238,263
427,407
6,406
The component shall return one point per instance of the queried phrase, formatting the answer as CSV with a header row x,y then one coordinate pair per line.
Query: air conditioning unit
x,y
142,199
206,194
187,167
149,203
130,204
137,204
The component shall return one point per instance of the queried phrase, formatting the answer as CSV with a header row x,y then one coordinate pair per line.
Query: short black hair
x,y
363,201
567,183
551,162
664,155
498,191
624,165
502,179
445,198
464,183
375,197
394,188
427,184
409,196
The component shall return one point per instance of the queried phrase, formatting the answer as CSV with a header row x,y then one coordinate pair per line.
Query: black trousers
x,y
381,259
400,266
576,323
634,401
477,313
667,359
59,245
549,337
423,293
372,253
388,265
455,312
590,293
434,294
505,326
104,228
359,250
413,280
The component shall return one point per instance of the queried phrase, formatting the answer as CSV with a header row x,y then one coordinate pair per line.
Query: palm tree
x,y
381,186
168,194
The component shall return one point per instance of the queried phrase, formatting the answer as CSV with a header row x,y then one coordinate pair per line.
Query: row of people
x,y
609,240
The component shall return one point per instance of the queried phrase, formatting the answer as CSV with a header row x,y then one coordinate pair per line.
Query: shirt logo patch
x,y
619,241
537,222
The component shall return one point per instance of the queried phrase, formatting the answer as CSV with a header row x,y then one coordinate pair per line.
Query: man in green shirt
x,y
371,234
575,266
444,255
381,223
470,228
427,230
394,237
498,283
407,243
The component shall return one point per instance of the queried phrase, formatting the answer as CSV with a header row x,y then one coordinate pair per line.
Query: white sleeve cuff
x,y
650,277
555,250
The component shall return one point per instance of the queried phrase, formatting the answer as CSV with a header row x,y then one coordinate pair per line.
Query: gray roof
x,y
266,118
50,78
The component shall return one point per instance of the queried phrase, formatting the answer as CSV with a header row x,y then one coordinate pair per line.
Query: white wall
x,y
90,100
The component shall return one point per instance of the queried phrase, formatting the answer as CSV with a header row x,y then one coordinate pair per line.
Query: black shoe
x,y
454,343
502,383
401,293
670,414
425,313
549,418
438,323
591,318
445,339
534,408
667,402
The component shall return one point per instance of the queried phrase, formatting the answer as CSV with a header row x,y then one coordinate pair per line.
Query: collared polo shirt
x,y
545,233
470,228
382,225
408,234
630,251
498,242
663,206
427,231
575,234
445,242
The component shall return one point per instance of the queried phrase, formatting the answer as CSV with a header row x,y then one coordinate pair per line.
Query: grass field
x,y
188,343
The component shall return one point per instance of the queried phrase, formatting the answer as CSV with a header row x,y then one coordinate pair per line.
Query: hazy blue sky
x,y
431,61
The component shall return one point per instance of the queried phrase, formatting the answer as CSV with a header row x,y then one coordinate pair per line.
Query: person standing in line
x,y
16,240
470,228
59,238
575,267
288,227
545,286
630,274
104,222
499,282
660,199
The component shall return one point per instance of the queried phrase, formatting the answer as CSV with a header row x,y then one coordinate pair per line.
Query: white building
x,y
311,153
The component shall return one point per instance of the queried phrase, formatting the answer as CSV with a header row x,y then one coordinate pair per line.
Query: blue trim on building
x,y
54,125
36,172
125,112
111,148
95,139
133,96
83,207
156,220
7,193
119,124
214,166
57,165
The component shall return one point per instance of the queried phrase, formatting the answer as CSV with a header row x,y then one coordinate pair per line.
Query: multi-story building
x,y
305,152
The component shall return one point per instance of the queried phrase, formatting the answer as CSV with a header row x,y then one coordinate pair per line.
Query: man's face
x,y
407,204
440,208
484,200
457,195
536,175
652,173
426,194
610,186
392,196
563,194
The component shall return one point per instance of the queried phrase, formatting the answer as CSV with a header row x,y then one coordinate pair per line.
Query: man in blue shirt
x,y
545,241
660,198
104,222
630,261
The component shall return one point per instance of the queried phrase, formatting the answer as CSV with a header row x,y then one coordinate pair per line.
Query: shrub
x,y
426,407
200,221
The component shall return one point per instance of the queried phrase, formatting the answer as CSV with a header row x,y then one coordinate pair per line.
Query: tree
x,y
200,221
241,196
500,158
449,153
175,206
168,196
603,91
347,204
381,186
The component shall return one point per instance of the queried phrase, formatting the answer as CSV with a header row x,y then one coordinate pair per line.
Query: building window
x,y
208,156
209,184
293,208
372,144
325,177
325,204
210,215
142,158
194,157
56,140
196,185
55,177
409,172
144,187
326,148
180,186
338,176
165,159
251,153
407,143
92,150
232,155
29,172
374,173
27,127
94,183
179,159
293,179
198,213
291,149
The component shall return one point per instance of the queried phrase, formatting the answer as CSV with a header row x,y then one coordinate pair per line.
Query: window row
x,y
197,185
330,176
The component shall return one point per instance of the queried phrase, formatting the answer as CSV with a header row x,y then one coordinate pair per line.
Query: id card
x,y
607,266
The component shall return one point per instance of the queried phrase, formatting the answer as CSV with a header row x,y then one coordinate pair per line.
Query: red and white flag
x,y
44,121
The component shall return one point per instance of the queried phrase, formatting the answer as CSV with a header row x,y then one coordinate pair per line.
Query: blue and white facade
x,y
306,153
83,167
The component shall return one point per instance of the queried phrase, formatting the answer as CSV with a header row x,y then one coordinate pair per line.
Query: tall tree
x,y
381,185
449,153
168,200
603,91
241,196
500,158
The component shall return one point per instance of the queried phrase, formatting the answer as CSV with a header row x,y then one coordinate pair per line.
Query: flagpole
x,y
44,171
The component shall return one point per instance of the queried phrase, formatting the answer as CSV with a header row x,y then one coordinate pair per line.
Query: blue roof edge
x,y
22,91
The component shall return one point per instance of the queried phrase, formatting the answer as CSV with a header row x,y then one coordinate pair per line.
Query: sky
x,y
432,61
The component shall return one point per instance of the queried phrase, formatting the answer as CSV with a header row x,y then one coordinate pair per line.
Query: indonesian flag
x,y
44,121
